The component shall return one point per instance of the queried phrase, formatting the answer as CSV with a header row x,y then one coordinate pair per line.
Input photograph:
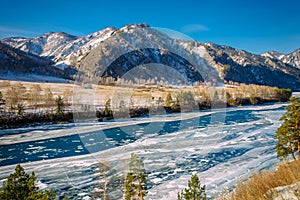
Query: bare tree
x,y
34,95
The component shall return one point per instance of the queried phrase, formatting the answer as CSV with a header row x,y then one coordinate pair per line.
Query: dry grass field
x,y
259,184
38,95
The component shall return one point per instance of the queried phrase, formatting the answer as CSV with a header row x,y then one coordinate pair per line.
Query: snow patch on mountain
x,y
68,52
292,59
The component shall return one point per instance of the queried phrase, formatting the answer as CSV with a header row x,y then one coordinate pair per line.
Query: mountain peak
x,y
292,58
67,51
273,55
51,33
102,31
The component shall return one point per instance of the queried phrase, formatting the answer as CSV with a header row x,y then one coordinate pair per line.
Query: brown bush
x,y
260,183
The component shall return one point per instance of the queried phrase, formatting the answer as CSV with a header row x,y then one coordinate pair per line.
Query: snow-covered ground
x,y
33,78
221,146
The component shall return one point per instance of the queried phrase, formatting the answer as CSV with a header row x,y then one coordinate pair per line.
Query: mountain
x,y
140,52
135,46
273,54
63,49
292,59
244,67
45,45
17,62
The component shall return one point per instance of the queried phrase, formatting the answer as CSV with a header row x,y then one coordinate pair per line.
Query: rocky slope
x,y
45,45
292,59
289,192
140,52
14,61
244,67
63,49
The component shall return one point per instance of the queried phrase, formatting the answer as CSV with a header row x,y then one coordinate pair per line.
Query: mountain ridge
x,y
68,53
292,58
15,61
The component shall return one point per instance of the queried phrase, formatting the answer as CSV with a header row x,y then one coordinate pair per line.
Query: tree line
x,y
24,106
187,100
12,109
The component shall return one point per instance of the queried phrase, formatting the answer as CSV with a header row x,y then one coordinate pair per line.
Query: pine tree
x,y
194,191
288,134
283,94
21,186
186,100
135,182
168,100
59,105
107,108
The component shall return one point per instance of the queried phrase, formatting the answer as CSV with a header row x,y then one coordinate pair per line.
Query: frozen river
x,y
221,146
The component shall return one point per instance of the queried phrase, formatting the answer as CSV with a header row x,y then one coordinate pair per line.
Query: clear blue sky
x,y
255,25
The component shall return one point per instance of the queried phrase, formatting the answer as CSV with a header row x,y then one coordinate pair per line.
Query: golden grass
x,y
140,96
259,184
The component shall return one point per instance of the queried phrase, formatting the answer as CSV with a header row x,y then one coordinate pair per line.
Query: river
x,y
222,146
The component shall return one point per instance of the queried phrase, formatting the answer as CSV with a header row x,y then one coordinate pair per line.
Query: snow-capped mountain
x,y
45,45
63,49
244,67
113,52
214,62
146,48
15,62
273,54
291,58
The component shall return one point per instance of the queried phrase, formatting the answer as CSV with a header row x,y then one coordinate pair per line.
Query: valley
x,y
73,109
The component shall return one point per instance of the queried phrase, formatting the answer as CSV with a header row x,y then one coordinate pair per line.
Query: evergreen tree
x,y
186,101
253,99
168,99
194,191
107,108
135,182
21,186
59,105
186,98
288,134
283,94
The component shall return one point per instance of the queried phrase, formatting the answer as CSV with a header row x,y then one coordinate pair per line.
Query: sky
x,y
256,26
